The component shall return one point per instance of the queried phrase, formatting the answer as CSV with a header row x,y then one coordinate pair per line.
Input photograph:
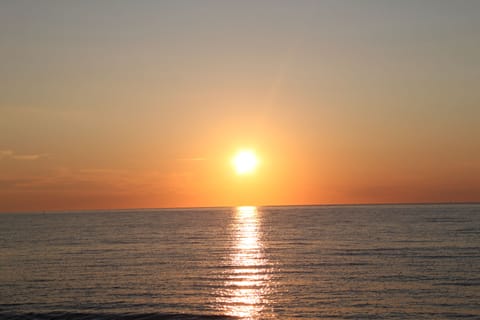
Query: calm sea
x,y
325,262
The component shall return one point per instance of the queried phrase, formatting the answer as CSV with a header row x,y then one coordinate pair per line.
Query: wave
x,y
110,316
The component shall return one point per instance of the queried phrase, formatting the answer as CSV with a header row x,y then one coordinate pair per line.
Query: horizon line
x,y
235,206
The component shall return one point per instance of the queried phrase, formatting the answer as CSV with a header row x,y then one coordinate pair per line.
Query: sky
x,y
142,104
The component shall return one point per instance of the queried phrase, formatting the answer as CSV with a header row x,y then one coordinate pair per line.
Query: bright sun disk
x,y
245,161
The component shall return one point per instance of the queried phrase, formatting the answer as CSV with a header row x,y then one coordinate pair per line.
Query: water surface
x,y
325,262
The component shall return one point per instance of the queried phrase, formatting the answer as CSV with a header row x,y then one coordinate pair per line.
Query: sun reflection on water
x,y
247,279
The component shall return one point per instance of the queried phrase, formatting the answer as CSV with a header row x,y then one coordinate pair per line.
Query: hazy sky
x,y
112,104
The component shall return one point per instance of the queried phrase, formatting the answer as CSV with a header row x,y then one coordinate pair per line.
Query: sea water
x,y
305,262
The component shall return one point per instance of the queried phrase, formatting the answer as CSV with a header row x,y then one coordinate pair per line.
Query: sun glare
x,y
245,161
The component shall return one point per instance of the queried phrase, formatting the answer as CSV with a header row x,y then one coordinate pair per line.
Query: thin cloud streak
x,y
192,159
10,154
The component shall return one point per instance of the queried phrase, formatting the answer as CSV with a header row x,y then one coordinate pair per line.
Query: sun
x,y
245,161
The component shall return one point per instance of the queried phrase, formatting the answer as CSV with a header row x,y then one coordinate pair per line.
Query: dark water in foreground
x,y
339,262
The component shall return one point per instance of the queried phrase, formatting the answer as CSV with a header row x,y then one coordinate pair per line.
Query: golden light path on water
x,y
247,281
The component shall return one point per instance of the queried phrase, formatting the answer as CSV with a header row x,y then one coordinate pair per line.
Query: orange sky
x,y
121,105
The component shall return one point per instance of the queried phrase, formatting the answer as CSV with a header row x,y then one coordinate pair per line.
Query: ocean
x,y
294,262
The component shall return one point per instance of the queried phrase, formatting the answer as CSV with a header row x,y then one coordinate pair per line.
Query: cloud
x,y
62,180
10,154
27,156
191,159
